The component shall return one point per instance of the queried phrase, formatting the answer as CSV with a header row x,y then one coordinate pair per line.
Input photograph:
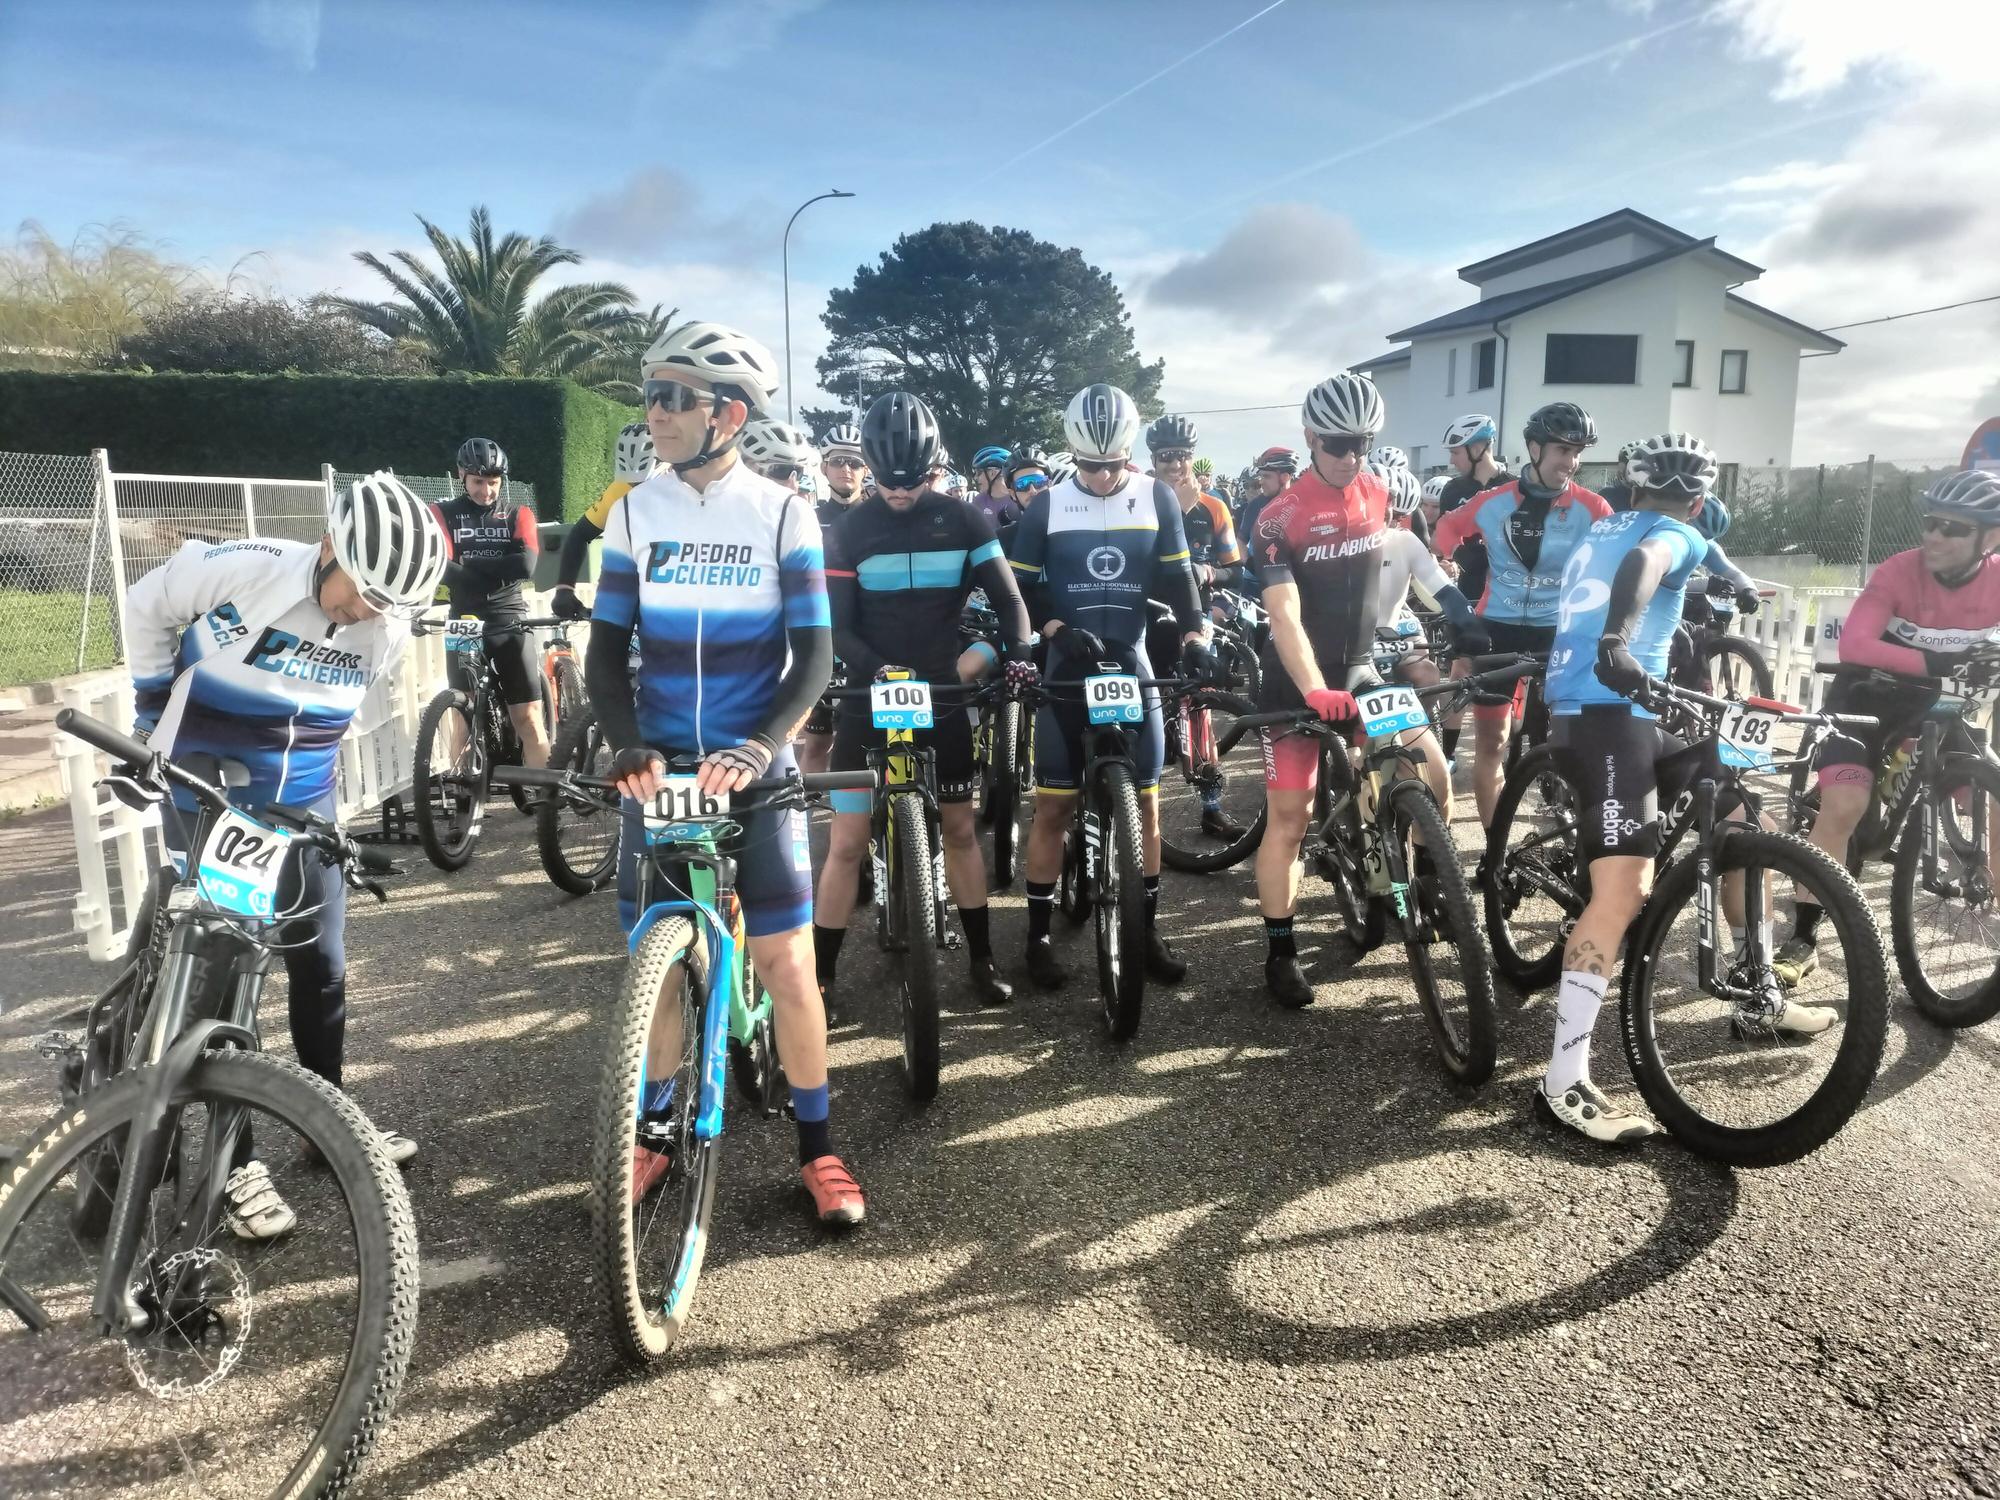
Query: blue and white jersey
x,y
709,582
1586,601
232,656
1100,557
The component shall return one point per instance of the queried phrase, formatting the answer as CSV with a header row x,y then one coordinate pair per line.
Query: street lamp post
x,y
785,254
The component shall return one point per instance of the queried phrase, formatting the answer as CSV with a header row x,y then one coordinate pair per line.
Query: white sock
x,y
1577,1004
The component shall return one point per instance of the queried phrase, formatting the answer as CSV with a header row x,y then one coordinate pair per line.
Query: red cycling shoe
x,y
836,1195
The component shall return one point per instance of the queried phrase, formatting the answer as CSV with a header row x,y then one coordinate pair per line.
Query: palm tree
x,y
614,370
475,314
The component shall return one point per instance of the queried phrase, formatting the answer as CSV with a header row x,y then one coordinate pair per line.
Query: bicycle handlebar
x,y
816,781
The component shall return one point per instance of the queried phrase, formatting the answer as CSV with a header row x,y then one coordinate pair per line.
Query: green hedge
x,y
557,435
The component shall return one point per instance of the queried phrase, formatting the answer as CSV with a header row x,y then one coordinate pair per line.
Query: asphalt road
x,y
1255,1252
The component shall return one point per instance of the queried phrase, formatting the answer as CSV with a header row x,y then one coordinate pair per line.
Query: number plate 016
x,y
901,704
1391,710
240,865
1113,699
679,809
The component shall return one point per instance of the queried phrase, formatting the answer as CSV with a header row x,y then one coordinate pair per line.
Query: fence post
x,y
326,483
1867,527
107,483
249,511
90,571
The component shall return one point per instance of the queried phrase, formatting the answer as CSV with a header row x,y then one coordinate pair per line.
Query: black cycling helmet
x,y
481,456
900,441
1170,431
1560,422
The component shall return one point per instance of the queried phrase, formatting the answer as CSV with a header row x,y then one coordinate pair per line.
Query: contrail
x,y
1120,99
1534,80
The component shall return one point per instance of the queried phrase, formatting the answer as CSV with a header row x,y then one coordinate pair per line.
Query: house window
x,y
1735,371
1451,371
1725,483
1591,359
1683,362
1483,355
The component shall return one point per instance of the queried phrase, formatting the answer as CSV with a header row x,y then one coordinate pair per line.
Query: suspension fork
x,y
1707,887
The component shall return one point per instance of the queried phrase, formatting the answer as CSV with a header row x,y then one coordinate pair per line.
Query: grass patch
x,y
39,633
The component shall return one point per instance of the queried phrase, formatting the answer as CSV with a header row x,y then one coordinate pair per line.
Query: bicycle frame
x,y
906,772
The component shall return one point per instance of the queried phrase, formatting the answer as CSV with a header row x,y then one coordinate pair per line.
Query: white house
x,y
1633,320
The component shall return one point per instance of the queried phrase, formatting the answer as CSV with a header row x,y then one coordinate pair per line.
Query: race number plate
x,y
1396,645
901,704
240,865
1391,710
464,634
1747,737
1113,699
679,809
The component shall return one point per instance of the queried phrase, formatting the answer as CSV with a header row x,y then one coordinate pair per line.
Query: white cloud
x,y
724,32
289,28
1792,176
1821,43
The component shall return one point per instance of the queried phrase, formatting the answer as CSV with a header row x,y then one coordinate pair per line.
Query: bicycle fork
x,y
1748,984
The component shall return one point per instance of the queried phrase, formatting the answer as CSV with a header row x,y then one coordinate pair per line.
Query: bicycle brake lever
x,y
373,888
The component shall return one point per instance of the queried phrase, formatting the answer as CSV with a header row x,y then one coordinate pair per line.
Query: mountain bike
x,y
1363,839
463,735
1704,656
688,1012
203,1362
1240,630
1697,1018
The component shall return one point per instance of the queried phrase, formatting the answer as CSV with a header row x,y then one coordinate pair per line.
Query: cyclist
x,y
1061,466
992,496
840,461
1405,494
1922,615
899,569
1320,548
493,548
1275,469
632,463
1621,603
782,453
261,652
719,572
1432,504
1387,456
1090,552
1530,526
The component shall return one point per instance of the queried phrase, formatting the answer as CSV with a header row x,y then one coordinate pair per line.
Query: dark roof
x,y
1393,357
1490,310
1582,236
1797,327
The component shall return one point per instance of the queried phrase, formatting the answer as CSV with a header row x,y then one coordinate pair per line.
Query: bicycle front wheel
x,y
263,1367
1003,806
652,1179
1532,875
449,780
577,838
1718,1074
1942,910
915,908
1121,904
1441,935
1735,669
1192,839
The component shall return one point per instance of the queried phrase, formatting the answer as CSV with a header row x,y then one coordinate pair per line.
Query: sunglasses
x,y
1173,456
1958,531
1342,447
1101,465
673,396
1026,482
840,463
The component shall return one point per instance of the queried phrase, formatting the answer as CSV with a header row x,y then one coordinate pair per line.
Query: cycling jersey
x,y
1004,511
1211,538
1464,487
615,491
1712,520
1096,559
1329,542
493,550
710,581
1407,561
897,584
1572,681
1527,546
232,656
1905,619
832,508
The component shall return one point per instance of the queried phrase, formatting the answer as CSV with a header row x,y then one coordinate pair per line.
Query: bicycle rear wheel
x,y
1717,1076
914,909
1942,908
1441,935
652,1179
448,793
1187,842
1121,904
577,837
1735,669
268,1367
1532,875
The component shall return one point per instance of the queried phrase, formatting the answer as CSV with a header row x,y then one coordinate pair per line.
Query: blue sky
x,y
1271,207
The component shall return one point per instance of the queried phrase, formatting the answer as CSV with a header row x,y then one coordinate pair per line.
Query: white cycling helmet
x,y
1344,405
1389,456
1404,491
843,437
1101,423
1675,461
1434,487
389,542
953,482
1061,466
634,454
718,358
764,442
1476,427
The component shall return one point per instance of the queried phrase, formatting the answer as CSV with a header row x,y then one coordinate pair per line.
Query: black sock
x,y
826,950
1152,899
1278,933
1807,924
814,1140
978,932
1450,743
1041,902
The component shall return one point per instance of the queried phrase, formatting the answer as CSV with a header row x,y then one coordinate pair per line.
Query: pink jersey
x,y
1904,612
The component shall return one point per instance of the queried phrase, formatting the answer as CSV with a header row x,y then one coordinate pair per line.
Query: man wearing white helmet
x,y
1431,506
1090,552
779,451
719,571
632,463
840,460
260,652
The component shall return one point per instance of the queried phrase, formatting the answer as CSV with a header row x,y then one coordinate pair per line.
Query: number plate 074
x,y
1391,710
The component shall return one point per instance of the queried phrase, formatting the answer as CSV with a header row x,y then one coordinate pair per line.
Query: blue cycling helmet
x,y
992,456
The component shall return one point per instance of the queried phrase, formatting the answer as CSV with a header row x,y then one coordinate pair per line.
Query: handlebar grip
x,y
839,781
523,776
374,861
95,732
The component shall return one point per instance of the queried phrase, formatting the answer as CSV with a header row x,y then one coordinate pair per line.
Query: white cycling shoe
x,y
1585,1109
251,1204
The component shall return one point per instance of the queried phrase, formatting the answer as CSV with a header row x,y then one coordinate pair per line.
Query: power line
x,y
1893,317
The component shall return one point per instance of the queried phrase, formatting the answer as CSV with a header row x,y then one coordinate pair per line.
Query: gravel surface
x,y
1255,1252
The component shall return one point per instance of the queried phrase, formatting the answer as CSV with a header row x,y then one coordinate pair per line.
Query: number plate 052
x,y
464,634
240,865
1113,699
1391,710
901,704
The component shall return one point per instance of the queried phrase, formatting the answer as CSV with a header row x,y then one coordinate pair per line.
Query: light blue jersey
x,y
1586,600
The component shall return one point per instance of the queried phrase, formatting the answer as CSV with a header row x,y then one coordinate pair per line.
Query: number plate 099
x,y
1113,699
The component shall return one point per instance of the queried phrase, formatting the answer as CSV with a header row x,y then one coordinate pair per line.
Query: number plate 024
x,y
240,864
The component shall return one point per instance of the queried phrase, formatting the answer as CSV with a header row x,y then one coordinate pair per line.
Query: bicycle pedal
x,y
55,1044
952,941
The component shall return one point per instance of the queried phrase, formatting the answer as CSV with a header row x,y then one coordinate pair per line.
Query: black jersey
x,y
493,551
